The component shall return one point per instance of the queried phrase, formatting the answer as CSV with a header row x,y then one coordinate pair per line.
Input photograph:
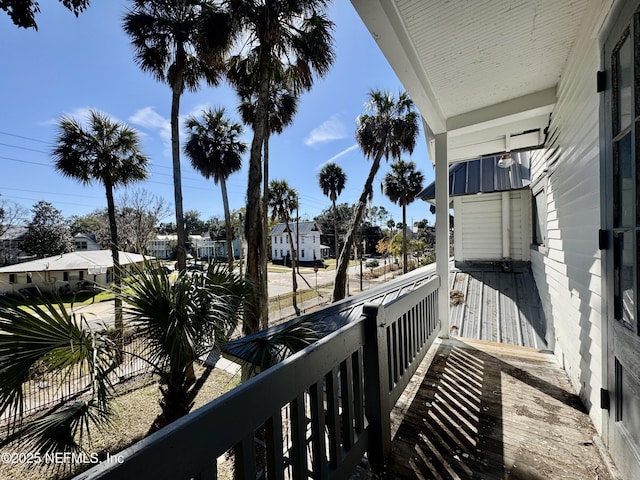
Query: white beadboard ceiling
x,y
484,71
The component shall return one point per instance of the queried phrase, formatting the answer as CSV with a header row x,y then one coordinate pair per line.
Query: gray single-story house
x,y
66,272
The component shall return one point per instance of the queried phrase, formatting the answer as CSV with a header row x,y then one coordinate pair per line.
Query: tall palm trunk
x,y
258,313
340,286
404,238
176,90
335,225
294,281
227,224
264,321
117,272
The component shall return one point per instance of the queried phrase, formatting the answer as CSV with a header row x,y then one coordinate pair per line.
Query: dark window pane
x,y
622,84
624,195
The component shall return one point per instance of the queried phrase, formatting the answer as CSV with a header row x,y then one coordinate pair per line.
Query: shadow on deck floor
x,y
482,410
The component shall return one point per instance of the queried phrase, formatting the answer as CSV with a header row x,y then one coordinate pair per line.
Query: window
x,y
281,254
539,217
12,278
302,240
313,237
65,276
280,239
302,252
80,275
275,253
29,280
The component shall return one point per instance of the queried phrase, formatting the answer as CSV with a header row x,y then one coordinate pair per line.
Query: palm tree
x,y
402,185
283,200
181,43
183,319
296,34
388,129
108,152
216,151
47,338
283,106
332,179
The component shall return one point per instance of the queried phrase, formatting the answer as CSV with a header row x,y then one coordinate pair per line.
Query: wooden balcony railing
x,y
314,415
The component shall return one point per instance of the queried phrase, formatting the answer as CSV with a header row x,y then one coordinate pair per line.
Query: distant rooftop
x,y
73,261
305,227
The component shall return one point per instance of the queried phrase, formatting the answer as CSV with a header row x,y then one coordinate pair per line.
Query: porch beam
x,y
504,113
442,230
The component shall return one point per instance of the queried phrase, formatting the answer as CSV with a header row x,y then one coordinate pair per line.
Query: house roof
x,y
484,175
305,227
14,233
484,73
73,261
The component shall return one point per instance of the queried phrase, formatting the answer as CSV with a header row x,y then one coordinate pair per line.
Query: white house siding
x,y
567,269
479,235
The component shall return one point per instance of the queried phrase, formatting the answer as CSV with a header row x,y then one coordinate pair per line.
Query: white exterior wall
x,y
309,242
480,229
567,269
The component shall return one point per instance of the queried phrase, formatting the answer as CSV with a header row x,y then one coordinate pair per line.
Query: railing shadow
x,y
454,427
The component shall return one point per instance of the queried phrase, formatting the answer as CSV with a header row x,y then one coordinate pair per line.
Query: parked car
x,y
372,263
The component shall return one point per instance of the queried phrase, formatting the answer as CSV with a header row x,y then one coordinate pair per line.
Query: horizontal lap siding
x,y
567,270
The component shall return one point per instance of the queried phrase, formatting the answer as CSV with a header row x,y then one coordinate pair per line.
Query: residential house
x,y
214,249
63,273
558,79
203,246
11,245
306,234
86,242
162,247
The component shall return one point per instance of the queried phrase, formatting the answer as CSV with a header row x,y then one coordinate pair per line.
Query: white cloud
x,y
338,155
332,129
149,119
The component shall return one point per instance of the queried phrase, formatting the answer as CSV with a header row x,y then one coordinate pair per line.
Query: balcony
x,y
473,408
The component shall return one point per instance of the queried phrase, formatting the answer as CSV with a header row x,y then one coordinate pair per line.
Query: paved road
x,y
100,314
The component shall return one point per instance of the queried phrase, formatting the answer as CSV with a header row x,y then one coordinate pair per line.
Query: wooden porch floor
x,y
482,410
490,304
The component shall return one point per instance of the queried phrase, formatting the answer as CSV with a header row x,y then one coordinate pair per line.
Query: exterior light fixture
x,y
505,161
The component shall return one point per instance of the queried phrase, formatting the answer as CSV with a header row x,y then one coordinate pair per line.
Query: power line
x,y
23,148
24,138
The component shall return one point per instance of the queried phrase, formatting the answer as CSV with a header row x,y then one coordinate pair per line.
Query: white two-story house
x,y
305,234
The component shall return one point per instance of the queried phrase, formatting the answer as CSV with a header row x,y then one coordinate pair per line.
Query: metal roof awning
x,y
485,175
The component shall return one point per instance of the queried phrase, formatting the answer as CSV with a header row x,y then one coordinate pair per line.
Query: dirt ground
x,y
134,412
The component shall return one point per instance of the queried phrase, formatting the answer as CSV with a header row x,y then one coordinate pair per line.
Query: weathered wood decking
x,y
479,409
483,410
490,304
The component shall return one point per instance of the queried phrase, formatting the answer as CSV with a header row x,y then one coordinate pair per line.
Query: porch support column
x,y
506,226
442,230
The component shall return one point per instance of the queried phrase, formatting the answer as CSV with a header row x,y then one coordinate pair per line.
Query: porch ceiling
x,y
485,71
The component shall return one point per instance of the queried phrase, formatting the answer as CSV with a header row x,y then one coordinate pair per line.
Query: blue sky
x,y
72,64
